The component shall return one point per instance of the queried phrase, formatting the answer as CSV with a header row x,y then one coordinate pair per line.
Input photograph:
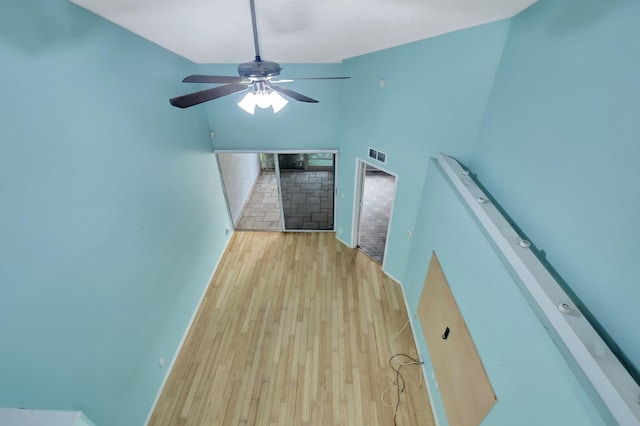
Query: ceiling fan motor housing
x,y
259,69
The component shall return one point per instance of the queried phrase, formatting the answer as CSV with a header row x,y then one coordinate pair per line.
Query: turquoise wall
x,y
112,216
560,147
298,125
433,101
435,94
533,383
112,211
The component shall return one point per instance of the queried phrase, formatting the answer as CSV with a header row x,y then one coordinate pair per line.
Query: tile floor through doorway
x,y
377,199
307,198
262,211
308,204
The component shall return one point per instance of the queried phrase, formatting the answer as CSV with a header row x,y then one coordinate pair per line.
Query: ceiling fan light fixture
x,y
262,99
277,101
248,103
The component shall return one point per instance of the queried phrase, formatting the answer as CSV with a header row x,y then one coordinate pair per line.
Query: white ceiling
x,y
295,31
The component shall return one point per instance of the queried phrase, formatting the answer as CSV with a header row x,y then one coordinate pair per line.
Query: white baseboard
x,y
342,241
415,341
186,332
397,281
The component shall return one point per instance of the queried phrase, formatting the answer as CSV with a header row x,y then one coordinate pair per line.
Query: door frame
x,y
275,152
361,169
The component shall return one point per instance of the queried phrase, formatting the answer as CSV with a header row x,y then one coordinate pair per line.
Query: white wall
x,y
239,173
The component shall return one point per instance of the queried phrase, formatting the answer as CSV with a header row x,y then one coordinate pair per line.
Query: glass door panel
x,y
319,161
307,190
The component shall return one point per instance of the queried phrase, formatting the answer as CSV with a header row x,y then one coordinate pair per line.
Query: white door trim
x,y
361,165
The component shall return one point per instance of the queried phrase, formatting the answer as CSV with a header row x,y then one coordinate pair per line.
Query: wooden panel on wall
x,y
465,388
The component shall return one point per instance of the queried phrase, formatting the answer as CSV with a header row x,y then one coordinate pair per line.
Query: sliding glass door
x,y
307,190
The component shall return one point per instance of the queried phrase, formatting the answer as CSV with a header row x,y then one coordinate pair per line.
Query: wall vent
x,y
377,155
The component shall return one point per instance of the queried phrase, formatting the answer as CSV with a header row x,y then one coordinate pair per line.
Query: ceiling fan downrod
x,y
255,30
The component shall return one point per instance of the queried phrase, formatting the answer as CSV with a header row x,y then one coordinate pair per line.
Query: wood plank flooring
x,y
295,329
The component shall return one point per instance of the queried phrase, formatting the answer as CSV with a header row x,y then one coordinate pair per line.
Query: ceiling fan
x,y
257,74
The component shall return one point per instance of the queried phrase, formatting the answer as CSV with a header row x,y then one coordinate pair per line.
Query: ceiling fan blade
x,y
207,95
293,95
197,78
289,80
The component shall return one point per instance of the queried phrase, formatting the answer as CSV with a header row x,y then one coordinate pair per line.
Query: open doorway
x,y
251,190
279,191
375,194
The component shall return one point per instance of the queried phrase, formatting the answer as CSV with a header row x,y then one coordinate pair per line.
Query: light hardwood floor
x,y
295,329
